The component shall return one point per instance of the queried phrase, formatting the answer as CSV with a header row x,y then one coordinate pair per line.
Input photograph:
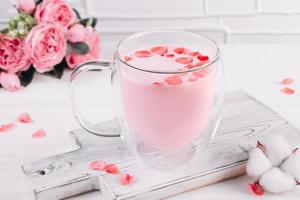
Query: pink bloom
x,y
46,46
12,56
57,11
10,82
79,33
25,6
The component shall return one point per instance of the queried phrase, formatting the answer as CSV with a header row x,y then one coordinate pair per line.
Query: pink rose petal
x,y
256,189
189,66
170,55
24,118
97,165
39,134
194,53
288,90
142,53
126,179
173,80
160,50
127,58
203,58
111,169
7,127
180,50
287,81
184,60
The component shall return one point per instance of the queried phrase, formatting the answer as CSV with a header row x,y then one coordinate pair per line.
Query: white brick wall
x,y
230,7
232,21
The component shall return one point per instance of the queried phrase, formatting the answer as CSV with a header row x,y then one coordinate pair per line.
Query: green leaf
x,y
38,1
4,31
80,48
27,76
58,69
89,22
77,14
69,47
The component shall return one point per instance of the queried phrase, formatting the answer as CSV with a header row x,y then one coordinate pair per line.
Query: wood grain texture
x,y
245,120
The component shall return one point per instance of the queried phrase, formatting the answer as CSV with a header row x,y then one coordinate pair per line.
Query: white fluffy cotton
x,y
277,148
258,163
292,165
277,181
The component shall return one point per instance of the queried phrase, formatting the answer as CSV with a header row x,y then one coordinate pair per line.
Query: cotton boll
x,y
258,163
277,181
292,165
277,148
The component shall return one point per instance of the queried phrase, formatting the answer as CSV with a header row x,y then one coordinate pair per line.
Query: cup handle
x,y
105,129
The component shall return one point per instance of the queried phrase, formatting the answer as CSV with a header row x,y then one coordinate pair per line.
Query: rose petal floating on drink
x,y
194,53
203,58
111,169
126,179
288,90
201,63
7,127
180,50
24,118
160,50
184,60
98,165
287,81
173,80
170,55
142,53
39,134
127,58
189,66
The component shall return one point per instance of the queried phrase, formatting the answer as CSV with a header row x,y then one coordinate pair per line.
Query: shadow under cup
x,y
167,125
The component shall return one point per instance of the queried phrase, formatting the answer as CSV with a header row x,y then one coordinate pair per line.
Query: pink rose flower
x,y
25,6
12,56
57,11
46,46
10,82
79,33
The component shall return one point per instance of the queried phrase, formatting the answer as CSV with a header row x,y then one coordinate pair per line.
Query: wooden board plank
x,y
244,121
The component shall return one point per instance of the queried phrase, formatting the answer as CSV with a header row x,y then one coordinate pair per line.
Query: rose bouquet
x,y
46,36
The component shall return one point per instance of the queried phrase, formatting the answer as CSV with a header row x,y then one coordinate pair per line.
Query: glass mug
x,y
165,125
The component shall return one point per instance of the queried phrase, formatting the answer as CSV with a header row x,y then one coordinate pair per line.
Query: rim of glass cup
x,y
139,34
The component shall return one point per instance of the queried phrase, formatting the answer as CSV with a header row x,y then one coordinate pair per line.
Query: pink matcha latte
x,y
167,110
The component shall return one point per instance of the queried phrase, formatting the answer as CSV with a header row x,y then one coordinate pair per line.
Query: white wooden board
x,y
244,121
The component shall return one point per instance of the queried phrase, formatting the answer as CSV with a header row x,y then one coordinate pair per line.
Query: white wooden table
x,y
257,69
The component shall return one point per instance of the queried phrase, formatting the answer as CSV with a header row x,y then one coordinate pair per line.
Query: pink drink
x,y
168,111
